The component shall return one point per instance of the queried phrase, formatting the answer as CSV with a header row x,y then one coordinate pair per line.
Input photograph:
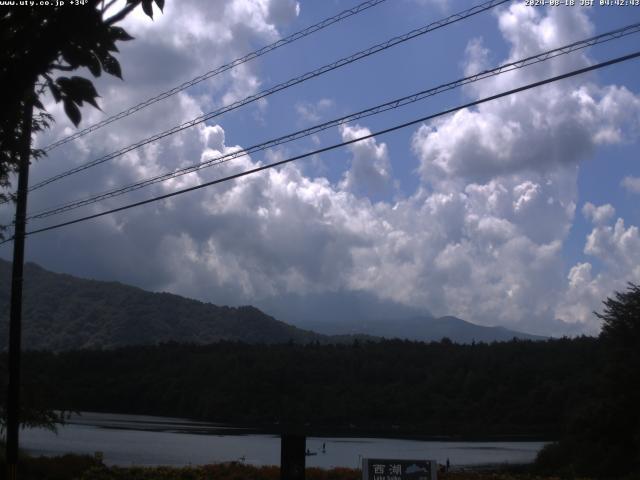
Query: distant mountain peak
x,y
63,312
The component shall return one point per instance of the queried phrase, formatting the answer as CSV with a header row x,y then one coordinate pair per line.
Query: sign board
x,y
387,469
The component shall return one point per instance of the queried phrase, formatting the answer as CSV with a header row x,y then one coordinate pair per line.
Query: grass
x,y
82,467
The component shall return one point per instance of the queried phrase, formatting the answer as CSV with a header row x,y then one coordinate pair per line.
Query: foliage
x,y
80,467
391,387
621,324
37,44
602,437
34,408
65,467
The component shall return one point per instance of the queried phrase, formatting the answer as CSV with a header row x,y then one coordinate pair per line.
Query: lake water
x,y
144,440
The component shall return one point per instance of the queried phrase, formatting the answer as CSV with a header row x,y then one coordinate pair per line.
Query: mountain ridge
x,y
425,328
64,312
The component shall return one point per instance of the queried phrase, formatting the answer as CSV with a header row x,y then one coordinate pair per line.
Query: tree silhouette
x,y
621,341
621,320
38,43
603,437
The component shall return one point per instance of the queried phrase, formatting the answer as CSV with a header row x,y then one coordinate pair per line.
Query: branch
x,y
107,6
121,14
66,68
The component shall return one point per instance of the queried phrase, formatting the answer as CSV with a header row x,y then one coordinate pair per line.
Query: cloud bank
x,y
481,237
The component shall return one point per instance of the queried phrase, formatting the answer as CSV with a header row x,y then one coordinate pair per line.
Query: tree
x,y
621,342
621,322
603,436
40,42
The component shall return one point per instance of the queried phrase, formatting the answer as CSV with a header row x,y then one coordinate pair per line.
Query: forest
x,y
509,389
581,392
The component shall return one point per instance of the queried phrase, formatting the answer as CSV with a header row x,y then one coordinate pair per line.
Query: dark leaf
x,y
160,4
64,83
118,33
83,90
55,91
93,64
147,6
37,153
111,66
106,41
72,111
75,57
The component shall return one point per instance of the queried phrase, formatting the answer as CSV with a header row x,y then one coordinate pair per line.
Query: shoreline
x,y
154,423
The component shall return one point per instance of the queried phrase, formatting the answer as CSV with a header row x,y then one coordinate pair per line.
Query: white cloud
x,y
480,238
476,57
314,111
598,215
559,124
617,248
370,170
518,159
631,184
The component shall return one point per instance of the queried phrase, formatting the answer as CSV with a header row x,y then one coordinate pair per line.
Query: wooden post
x,y
15,317
292,456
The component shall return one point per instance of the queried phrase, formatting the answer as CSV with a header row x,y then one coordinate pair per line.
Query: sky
x,y
521,212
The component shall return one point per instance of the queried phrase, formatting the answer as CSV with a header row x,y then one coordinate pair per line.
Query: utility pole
x,y
15,318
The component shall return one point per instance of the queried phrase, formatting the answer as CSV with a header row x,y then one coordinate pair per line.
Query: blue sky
x,y
515,213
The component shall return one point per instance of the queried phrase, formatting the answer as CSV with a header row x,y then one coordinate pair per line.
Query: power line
x,y
393,104
221,69
342,144
289,83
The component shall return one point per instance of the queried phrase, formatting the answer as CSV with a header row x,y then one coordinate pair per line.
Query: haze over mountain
x,y
364,313
63,312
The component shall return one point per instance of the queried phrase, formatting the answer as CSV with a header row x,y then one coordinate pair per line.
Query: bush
x,y
52,468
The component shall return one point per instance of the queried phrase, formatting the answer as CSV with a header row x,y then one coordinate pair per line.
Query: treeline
x,y
517,388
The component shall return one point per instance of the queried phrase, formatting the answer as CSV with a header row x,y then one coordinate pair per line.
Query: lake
x,y
145,440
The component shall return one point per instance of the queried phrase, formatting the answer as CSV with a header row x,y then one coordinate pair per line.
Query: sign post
x,y
292,456
388,469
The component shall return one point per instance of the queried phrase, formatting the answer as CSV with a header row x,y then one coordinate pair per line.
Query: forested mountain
x,y
62,312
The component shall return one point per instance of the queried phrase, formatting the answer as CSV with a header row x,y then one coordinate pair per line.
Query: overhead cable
x,y
221,69
390,105
289,83
338,145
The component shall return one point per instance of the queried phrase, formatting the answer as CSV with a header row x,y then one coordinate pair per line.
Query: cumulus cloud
x,y
314,111
481,237
538,130
517,160
370,170
631,184
476,57
598,215
617,248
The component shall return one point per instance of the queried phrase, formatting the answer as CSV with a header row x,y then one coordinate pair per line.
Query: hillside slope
x,y
62,312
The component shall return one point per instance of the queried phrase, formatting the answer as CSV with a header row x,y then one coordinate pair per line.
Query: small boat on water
x,y
309,453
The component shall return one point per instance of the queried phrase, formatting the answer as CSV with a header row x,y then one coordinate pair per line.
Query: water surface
x,y
145,440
